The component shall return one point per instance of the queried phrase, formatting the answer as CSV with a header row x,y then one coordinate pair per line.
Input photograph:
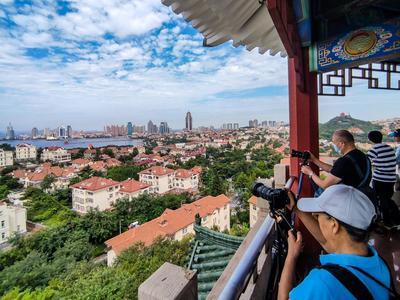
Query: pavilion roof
x,y
245,22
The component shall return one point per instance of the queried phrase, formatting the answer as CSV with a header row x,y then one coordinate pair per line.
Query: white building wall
x,y
6,158
12,220
83,201
27,152
253,214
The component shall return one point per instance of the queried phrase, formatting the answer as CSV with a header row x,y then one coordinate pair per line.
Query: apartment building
x,y
186,180
253,210
94,193
25,152
161,179
174,224
132,188
12,220
6,158
55,155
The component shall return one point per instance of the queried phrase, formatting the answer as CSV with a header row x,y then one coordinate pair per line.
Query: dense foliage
x,y
346,122
86,280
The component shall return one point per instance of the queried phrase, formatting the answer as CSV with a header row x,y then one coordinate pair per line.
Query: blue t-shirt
x,y
321,285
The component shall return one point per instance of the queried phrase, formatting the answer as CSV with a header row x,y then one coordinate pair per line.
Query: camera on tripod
x,y
305,155
277,198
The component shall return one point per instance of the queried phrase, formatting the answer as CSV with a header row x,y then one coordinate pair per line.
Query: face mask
x,y
336,148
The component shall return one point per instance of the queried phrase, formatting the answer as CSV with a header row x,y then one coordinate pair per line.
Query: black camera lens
x,y
277,198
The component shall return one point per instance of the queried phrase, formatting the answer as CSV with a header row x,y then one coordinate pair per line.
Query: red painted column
x,y
303,116
304,135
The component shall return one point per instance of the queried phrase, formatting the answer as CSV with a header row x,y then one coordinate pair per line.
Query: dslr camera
x,y
302,155
277,198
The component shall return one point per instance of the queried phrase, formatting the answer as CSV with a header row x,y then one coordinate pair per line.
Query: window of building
x,y
225,206
3,236
254,207
205,219
184,230
3,223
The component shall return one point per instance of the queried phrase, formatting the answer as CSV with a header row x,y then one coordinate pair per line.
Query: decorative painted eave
x,y
245,22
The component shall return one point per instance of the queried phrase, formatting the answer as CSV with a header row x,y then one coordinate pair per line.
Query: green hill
x,y
359,128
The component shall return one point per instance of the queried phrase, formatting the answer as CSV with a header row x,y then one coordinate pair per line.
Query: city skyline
x,y
136,60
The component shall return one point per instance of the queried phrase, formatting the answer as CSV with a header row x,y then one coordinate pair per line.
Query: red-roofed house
x,y
55,155
94,193
160,178
80,163
132,189
174,224
186,180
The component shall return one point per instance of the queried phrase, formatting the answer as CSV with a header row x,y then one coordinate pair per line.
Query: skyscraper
x,y
235,126
130,128
150,127
34,133
61,132
10,135
189,121
69,131
164,128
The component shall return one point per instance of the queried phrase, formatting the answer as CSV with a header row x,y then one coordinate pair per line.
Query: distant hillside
x,y
358,128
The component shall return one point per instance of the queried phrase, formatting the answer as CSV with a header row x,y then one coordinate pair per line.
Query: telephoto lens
x,y
277,198
303,155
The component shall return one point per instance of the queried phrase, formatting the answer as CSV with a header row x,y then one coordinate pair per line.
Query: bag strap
x,y
390,289
358,170
349,281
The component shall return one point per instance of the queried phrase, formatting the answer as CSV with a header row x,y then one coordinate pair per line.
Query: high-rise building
x,y
69,131
235,126
150,127
10,135
224,126
46,132
34,133
229,126
61,132
189,121
130,128
140,129
164,129
255,122
251,123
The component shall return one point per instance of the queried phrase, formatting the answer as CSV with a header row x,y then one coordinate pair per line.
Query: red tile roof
x,y
253,200
182,173
167,224
80,161
131,186
157,170
95,183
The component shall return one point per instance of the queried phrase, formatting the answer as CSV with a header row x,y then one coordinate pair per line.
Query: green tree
x,y
122,173
48,180
108,152
4,191
99,225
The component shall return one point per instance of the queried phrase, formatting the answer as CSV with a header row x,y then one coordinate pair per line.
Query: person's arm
x,y
330,179
287,280
308,220
320,164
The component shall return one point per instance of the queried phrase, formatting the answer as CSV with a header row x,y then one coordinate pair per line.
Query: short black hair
x,y
344,136
356,235
375,136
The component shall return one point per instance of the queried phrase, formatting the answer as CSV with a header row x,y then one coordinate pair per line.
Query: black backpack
x,y
354,285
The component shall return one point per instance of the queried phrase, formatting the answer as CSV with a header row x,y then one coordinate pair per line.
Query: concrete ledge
x,y
169,282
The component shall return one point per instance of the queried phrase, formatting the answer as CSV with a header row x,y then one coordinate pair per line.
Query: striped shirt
x,y
383,159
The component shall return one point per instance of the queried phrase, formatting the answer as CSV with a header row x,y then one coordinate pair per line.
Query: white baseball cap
x,y
344,203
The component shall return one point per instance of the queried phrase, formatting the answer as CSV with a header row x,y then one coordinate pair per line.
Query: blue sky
x,y
94,62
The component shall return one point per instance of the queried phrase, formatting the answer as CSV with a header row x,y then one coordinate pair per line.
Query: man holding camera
x,y
353,168
340,220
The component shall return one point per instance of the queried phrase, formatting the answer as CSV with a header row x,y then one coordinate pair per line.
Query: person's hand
x,y
295,244
292,202
312,156
306,170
